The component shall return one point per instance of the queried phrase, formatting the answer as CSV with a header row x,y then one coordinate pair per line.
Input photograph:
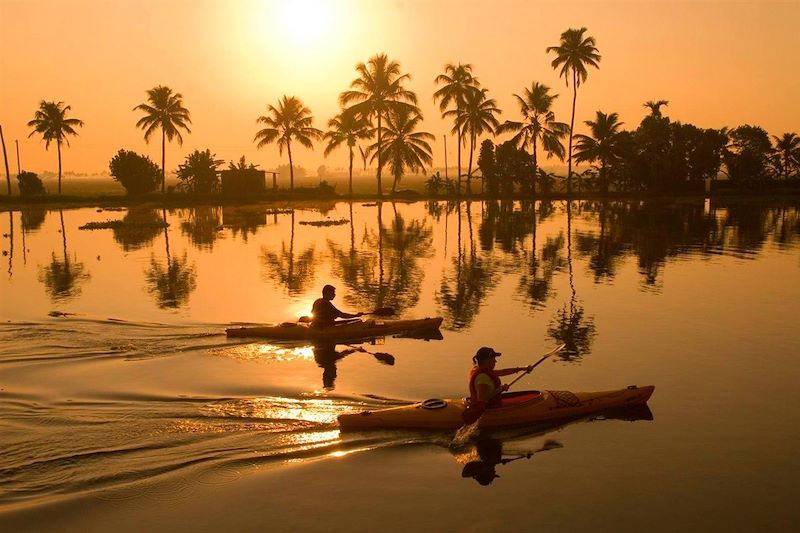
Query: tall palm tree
x,y
457,81
538,124
346,128
51,122
787,149
290,120
403,148
164,109
376,92
602,146
655,107
573,54
475,118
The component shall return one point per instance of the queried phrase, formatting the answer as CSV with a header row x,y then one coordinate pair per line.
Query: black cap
x,y
484,353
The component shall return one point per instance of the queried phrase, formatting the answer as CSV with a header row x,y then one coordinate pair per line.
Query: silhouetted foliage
x,y
137,173
172,283
164,109
51,122
747,156
403,148
198,173
30,184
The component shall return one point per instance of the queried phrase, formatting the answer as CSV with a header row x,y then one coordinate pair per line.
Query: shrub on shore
x,y
30,184
137,173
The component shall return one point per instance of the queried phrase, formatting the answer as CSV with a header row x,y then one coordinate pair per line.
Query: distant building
x,y
243,182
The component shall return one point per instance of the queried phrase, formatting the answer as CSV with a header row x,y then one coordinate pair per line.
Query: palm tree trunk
x,y
571,127
58,144
5,158
458,141
469,168
291,166
535,170
350,187
163,158
380,189
603,176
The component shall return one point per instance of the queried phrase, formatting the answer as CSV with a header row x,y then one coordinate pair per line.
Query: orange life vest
x,y
473,390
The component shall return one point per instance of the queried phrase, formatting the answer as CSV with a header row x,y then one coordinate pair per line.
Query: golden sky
x,y
719,63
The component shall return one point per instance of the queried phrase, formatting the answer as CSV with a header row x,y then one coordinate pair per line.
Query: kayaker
x,y
484,379
324,313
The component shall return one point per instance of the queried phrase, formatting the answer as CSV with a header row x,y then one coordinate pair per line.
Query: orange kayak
x,y
518,408
360,329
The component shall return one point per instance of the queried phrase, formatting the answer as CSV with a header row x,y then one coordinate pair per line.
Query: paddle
x,y
475,411
381,311
383,357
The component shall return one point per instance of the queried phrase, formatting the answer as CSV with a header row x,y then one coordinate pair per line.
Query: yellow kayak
x,y
518,408
359,329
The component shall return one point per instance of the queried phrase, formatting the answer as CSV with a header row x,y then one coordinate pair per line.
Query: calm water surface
x,y
123,405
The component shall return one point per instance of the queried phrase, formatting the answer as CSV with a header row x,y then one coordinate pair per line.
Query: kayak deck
x,y
346,331
518,408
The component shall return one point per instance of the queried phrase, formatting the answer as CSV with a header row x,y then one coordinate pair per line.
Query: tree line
x,y
379,119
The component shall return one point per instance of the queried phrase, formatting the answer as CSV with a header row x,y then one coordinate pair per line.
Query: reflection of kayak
x,y
351,330
518,408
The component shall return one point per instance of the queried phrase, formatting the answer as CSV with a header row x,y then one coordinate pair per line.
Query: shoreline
x,y
186,200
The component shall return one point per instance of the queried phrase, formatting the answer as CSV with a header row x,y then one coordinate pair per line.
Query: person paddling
x,y
485,386
324,313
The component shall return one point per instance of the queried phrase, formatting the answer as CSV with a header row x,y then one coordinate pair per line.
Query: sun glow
x,y
305,23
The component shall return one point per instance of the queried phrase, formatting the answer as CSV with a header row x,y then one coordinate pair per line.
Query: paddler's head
x,y
486,357
329,292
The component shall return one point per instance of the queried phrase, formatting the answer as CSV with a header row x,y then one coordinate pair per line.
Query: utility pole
x,y
5,159
18,169
445,155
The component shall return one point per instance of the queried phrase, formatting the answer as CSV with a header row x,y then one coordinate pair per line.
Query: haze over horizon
x,y
719,63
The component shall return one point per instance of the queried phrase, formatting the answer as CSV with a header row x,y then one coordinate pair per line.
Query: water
x,y
123,404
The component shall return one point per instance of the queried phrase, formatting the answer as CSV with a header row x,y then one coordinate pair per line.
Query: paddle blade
x,y
473,412
385,358
304,319
383,311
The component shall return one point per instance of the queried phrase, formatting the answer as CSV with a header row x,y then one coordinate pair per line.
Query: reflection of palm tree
x,y
171,284
570,326
535,281
288,270
164,110
290,120
386,270
141,225
463,291
538,125
573,54
62,277
375,93
202,226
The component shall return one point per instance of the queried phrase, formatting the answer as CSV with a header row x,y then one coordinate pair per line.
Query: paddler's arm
x,y
342,314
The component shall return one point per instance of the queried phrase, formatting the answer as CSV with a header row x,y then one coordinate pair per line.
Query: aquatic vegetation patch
x,y
318,223
122,224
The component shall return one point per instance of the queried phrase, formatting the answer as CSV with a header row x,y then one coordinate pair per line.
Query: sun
x,y
304,23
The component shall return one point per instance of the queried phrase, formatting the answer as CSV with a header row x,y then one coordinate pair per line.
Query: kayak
x,y
518,408
359,329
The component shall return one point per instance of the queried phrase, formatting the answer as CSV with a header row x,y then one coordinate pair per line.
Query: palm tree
x,y
476,117
538,125
164,109
346,128
602,146
290,120
655,107
573,54
403,148
51,121
375,93
787,149
457,82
